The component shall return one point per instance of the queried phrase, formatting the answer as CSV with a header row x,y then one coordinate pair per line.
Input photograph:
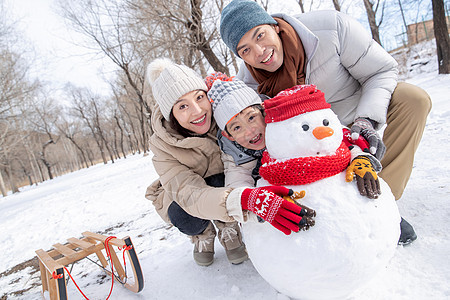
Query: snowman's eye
x,y
325,122
305,127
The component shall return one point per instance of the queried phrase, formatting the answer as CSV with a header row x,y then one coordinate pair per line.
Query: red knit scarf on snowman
x,y
304,170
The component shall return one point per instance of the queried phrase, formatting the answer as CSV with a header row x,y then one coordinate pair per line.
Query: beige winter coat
x,y
182,164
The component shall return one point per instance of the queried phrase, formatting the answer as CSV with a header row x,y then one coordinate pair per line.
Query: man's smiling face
x,y
261,47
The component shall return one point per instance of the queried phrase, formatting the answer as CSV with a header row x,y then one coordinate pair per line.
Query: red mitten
x,y
267,202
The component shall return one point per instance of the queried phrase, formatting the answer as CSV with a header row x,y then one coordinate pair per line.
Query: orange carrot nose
x,y
322,132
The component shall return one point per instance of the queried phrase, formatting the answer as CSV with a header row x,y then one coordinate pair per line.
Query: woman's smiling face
x,y
193,111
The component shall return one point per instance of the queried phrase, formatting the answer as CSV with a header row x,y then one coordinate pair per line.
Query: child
x,y
239,114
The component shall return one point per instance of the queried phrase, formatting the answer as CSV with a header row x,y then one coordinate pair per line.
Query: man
x,y
359,79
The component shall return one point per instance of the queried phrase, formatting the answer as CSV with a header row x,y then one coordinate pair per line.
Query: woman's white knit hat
x,y
170,81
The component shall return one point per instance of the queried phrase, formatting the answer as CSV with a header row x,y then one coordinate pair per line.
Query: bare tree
x,y
177,30
199,39
371,16
85,107
403,15
15,88
12,139
441,35
105,23
70,130
45,114
264,4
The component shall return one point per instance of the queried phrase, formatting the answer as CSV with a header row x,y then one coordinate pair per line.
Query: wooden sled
x,y
52,262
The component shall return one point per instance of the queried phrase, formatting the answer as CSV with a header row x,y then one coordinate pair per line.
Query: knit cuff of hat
x,y
238,18
293,102
170,92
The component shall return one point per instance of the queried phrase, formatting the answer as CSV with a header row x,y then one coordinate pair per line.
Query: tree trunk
x,y
300,3
121,136
72,162
48,167
135,134
145,109
33,164
12,181
114,145
403,18
441,35
371,16
199,39
72,140
130,144
2,185
45,161
108,148
100,147
336,4
143,124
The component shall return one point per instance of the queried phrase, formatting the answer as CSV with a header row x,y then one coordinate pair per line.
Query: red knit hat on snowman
x,y
289,103
295,101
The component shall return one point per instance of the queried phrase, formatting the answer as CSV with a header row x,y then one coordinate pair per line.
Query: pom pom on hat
x,y
155,68
229,97
209,80
170,81
295,101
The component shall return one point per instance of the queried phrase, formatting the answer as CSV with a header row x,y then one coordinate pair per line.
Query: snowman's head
x,y
315,133
300,123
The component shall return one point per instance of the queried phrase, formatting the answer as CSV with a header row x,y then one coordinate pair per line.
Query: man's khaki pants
x,y
406,118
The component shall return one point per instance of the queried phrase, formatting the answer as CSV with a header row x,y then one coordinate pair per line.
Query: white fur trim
x,y
234,206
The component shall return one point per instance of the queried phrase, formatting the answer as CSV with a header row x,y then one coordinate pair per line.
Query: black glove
x,y
365,127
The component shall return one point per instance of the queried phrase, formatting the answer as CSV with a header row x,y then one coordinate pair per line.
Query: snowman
x,y
353,238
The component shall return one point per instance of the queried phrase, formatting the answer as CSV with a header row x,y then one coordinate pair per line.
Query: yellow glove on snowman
x,y
366,177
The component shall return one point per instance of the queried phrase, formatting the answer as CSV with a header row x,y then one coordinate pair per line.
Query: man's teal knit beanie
x,y
238,18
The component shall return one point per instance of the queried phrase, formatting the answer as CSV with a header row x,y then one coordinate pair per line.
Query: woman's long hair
x,y
178,128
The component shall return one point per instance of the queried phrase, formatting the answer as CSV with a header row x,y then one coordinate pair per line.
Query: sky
x,y
110,198
58,59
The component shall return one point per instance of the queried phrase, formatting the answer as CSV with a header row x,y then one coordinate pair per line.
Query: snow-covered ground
x,y
110,199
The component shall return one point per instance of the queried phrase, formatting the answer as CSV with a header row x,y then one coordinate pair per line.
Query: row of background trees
x,y
46,132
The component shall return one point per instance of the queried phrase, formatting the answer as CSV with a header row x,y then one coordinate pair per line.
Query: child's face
x,y
248,129
193,111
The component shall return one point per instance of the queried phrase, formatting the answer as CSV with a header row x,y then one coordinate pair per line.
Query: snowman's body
x,y
353,236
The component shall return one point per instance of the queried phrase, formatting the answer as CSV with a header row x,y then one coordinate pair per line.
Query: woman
x,y
190,191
